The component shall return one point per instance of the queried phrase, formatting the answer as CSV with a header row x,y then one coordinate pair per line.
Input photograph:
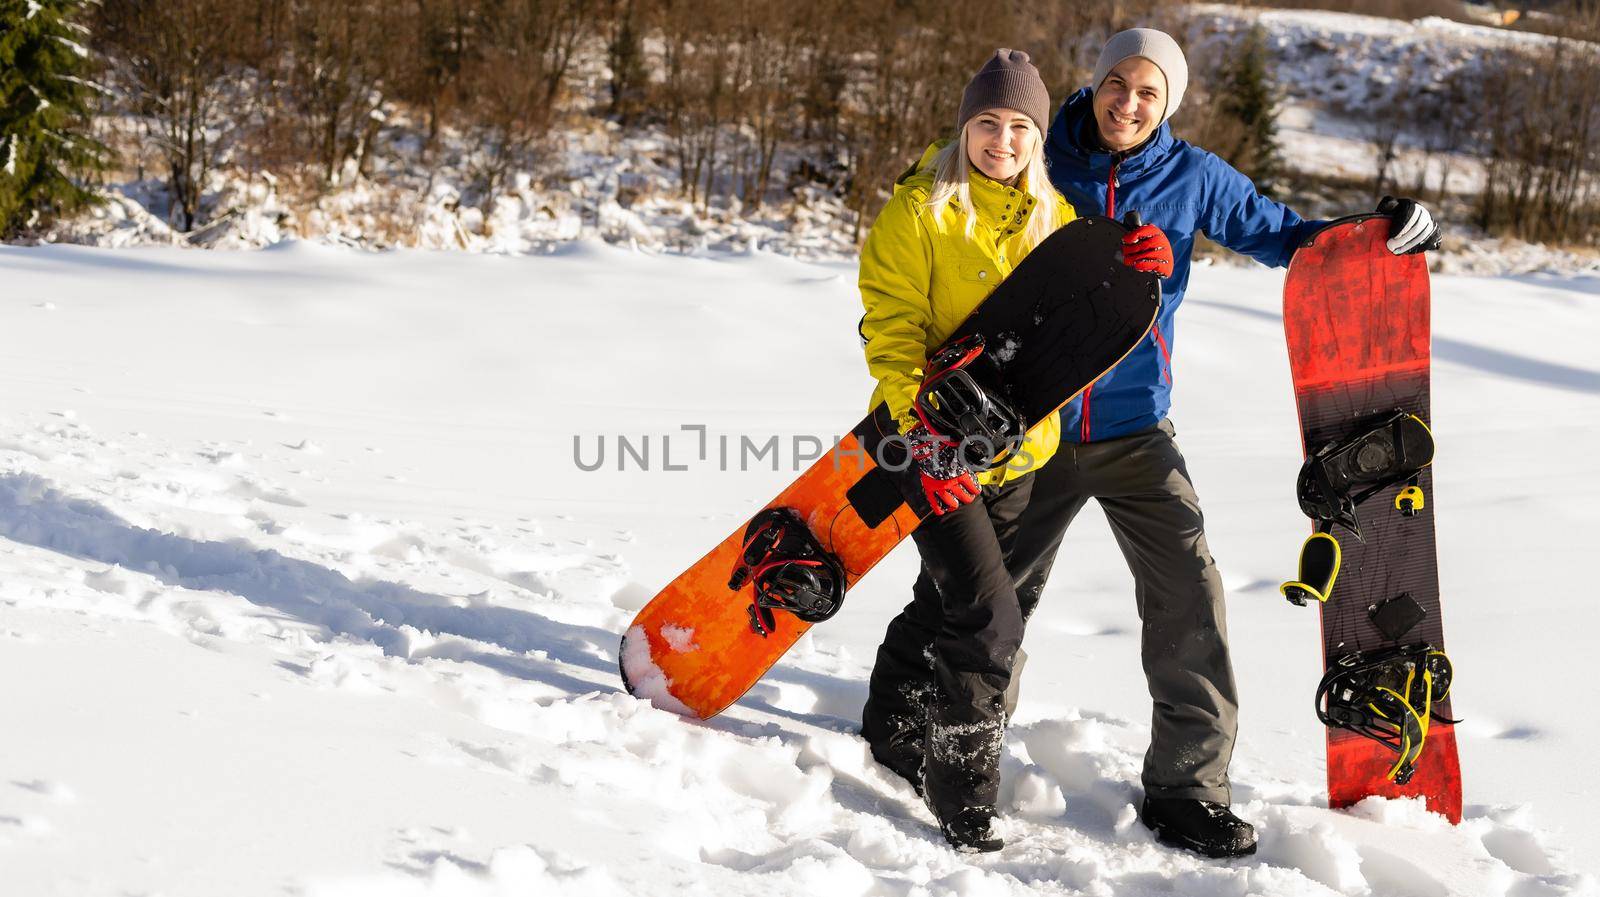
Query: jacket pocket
x,y
978,270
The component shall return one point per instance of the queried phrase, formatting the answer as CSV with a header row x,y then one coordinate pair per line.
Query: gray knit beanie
x,y
1156,46
1007,81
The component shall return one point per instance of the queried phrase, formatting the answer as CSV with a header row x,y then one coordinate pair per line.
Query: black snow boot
x,y
902,756
961,771
972,829
895,725
1202,826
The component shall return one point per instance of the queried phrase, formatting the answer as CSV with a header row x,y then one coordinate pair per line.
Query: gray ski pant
x,y
1143,486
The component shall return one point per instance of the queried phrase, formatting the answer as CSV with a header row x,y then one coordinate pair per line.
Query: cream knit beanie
x,y
1156,46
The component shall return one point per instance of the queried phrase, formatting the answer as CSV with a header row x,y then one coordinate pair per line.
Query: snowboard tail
x,y
1357,770
702,643
1357,322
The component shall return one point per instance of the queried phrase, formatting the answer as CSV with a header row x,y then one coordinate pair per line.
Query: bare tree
x,y
518,59
630,75
426,74
696,91
174,58
335,77
1444,120
1542,131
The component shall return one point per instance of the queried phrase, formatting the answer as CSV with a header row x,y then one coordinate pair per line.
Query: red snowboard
x,y
1357,322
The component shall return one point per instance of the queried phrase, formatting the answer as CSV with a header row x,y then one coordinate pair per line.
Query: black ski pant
x,y
937,700
1143,486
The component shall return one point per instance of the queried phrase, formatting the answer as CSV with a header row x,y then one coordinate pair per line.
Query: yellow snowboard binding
x,y
1319,567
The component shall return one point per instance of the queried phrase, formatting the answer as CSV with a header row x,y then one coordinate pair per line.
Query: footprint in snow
x,y
28,825
1518,849
631,597
1520,733
1256,585
55,791
249,489
265,522
223,458
1390,873
110,580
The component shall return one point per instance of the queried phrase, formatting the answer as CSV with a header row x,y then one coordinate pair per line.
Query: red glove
x,y
947,483
1146,248
947,495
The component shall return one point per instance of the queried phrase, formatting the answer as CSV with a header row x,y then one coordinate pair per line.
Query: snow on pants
x,y
1143,487
937,701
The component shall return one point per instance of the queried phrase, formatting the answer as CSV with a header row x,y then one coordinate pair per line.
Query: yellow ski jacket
x,y
921,275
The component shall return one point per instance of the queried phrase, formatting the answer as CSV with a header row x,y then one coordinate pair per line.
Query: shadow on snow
x,y
35,513
1484,358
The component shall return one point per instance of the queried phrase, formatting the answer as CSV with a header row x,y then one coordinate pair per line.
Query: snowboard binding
x,y
961,400
790,571
1319,567
1341,475
1388,697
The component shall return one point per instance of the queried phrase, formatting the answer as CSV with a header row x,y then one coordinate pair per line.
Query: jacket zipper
x,y
1083,430
1111,189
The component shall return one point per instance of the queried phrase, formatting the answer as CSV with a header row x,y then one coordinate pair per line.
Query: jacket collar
x,y
1073,136
998,206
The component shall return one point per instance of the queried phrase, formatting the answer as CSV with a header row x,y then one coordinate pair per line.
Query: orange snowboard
x,y
1069,313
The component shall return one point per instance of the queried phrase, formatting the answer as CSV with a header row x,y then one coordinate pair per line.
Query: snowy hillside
x,y
302,590
1342,81
1356,64
595,178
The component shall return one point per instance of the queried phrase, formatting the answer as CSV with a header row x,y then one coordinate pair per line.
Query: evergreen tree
x,y
44,111
1245,95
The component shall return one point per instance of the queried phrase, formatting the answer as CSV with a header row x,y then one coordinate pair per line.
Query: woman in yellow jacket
x,y
959,221
957,224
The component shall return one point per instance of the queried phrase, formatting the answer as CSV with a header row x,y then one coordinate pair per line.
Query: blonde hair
x,y
952,168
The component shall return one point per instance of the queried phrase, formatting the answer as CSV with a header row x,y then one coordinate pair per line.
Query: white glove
x,y
1412,228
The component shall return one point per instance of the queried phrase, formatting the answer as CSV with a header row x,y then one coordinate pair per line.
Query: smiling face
x,y
1130,103
1001,142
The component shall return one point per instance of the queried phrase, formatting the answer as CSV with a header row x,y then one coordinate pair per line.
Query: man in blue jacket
x,y
1111,152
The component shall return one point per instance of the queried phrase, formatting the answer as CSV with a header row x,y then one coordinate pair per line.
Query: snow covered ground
x,y
303,590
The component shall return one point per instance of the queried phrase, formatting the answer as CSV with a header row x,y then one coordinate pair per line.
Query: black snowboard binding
x,y
1387,696
1319,567
790,570
1341,475
962,399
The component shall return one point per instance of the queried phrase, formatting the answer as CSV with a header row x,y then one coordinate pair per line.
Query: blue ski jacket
x,y
1181,189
